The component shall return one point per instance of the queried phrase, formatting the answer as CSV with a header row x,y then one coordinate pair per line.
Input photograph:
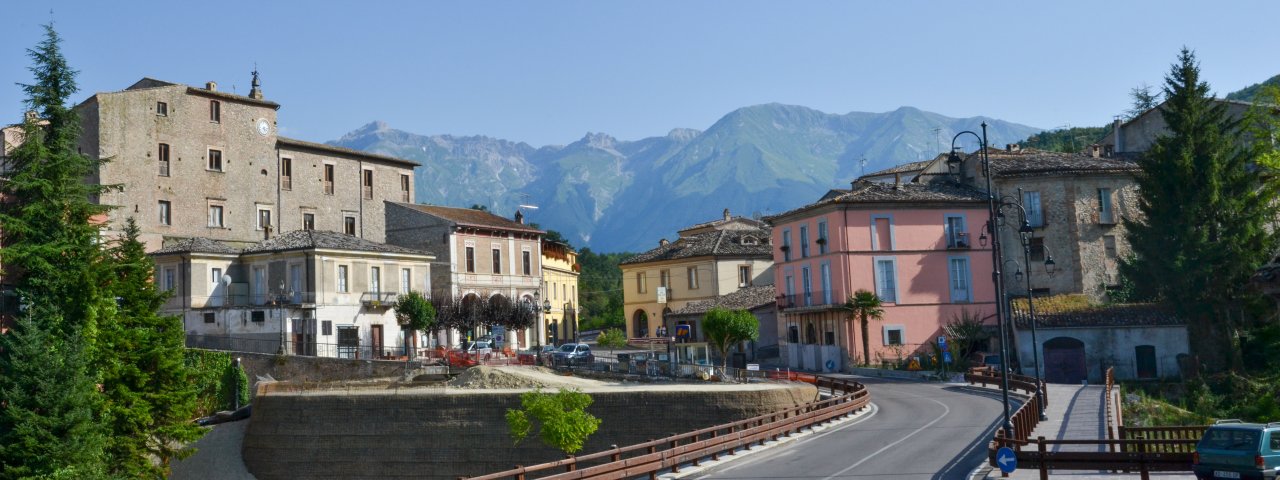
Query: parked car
x,y
573,354
480,347
1234,449
545,354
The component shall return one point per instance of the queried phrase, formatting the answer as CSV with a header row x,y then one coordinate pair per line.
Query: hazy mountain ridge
x,y
615,195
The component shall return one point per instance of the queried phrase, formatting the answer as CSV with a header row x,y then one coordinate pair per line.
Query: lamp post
x,y
555,332
955,162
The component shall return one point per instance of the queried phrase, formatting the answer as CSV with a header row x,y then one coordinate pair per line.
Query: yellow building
x,y
707,261
560,271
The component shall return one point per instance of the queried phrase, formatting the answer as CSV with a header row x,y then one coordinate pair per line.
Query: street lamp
x,y
956,164
555,333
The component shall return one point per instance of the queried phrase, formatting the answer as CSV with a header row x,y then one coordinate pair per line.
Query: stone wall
x,y
314,369
443,436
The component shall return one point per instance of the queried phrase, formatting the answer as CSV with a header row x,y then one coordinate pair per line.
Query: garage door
x,y
1064,361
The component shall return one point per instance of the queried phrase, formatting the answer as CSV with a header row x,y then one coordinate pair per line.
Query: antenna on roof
x,y
937,138
862,166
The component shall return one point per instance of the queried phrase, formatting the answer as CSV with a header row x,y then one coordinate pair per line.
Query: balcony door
x,y
375,338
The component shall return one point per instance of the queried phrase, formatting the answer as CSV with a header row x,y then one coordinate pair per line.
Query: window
x,y
215,160
804,286
406,278
526,261
286,174
1037,249
1105,214
170,279
308,221
215,111
497,260
791,290
553,291
882,232
295,282
259,285
893,334
328,179
165,218
692,272
209,317
822,238
471,259
368,184
1031,202
163,156
342,278
886,280
326,327
959,271
215,216
744,275
349,225
375,279
215,276
258,316
956,235
1109,243
664,278
404,188
264,218
793,334
1275,441
162,109
826,284
786,245
804,241
640,286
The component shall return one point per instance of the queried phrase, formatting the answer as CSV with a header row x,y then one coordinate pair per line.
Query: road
x,y
914,431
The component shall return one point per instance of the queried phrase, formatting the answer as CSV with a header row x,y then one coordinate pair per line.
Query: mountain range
x,y
616,195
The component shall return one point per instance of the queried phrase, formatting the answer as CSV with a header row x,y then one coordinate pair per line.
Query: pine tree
x,y
150,398
1205,209
48,423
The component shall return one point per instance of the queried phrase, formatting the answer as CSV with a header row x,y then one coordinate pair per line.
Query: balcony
x,y
958,241
815,300
245,299
378,299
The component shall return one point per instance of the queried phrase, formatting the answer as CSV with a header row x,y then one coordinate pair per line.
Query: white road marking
x,y
757,458
946,411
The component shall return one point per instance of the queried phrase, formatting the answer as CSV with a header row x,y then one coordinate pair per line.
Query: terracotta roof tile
x,y
196,245
471,217
332,149
736,243
875,192
743,299
1124,315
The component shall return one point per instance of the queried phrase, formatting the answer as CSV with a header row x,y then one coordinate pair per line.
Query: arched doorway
x,y
640,324
1064,361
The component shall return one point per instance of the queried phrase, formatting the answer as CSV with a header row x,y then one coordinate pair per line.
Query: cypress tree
x,y
1206,207
150,398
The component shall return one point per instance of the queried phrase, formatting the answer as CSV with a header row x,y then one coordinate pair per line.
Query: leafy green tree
x,y
600,290
149,393
1205,210
413,309
864,306
48,416
725,328
561,419
612,339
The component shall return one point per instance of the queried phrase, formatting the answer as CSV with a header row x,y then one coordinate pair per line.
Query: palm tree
x,y
864,305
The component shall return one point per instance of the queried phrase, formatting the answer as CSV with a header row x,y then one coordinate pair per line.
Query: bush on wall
x,y
218,382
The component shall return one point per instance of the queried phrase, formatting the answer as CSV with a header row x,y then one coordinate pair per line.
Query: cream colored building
x,y
307,292
708,260
560,271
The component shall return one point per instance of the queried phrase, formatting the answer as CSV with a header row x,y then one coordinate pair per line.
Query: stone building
x,y
1142,342
306,292
199,162
1137,134
479,255
708,260
560,272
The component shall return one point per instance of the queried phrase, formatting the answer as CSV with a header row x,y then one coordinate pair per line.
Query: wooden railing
x,y
690,449
1142,456
1112,423
1187,433
1027,416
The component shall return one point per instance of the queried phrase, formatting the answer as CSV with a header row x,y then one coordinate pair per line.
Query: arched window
x,y
810,334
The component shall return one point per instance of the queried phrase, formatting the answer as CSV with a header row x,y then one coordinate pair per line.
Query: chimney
x,y
897,180
726,215
662,242
519,217
1012,147
1095,150
31,115
1119,143
211,86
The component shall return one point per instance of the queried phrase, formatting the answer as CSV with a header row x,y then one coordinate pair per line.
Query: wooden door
x,y
375,338
1064,361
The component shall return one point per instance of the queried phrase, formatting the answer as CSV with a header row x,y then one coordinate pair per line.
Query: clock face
x,y
263,127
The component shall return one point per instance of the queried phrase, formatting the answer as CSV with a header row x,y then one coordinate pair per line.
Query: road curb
x,y
903,375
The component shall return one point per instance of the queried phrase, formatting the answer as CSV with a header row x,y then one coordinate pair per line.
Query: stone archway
x,y
1064,361
640,324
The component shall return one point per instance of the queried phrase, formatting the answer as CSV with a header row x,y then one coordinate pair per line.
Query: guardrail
x,y
691,448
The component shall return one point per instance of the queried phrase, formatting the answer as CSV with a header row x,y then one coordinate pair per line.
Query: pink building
x,y
912,244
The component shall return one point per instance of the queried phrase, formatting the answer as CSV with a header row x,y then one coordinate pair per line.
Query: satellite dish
x,y
226,280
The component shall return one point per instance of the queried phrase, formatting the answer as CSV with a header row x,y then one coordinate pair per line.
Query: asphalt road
x,y
914,431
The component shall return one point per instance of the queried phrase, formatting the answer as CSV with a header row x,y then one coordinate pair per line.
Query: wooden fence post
x,y
1142,460
675,466
571,466
1044,468
519,476
653,449
715,454
696,460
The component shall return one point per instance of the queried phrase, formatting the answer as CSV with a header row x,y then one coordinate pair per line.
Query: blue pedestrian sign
x,y
1006,460
946,357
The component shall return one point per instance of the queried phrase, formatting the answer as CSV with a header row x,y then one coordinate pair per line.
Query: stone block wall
x,y
444,436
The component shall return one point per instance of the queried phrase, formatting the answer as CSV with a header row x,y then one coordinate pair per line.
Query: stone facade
x,y
199,149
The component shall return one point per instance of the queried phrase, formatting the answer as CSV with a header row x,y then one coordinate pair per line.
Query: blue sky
x,y
548,72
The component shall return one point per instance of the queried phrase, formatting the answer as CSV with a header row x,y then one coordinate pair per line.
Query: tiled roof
x,y
196,245
717,243
232,97
1029,162
748,221
744,299
471,217
293,142
875,192
311,239
1125,315
904,168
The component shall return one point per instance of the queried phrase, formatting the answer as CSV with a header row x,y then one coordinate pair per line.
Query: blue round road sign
x,y
831,364
1006,460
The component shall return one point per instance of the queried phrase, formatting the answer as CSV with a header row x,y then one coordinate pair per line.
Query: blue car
x,y
1234,449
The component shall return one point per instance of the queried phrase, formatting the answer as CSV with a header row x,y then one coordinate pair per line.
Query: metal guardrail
x,y
691,448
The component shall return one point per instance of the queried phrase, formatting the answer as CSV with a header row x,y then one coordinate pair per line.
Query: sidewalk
x,y
1076,412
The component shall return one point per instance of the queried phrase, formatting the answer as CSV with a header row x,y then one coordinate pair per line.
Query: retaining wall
x,y
314,369
434,435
